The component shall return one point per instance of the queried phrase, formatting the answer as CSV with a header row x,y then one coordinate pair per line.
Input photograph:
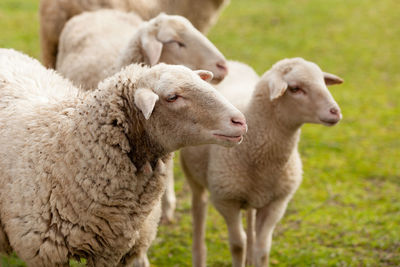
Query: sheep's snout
x,y
220,72
239,122
332,117
232,132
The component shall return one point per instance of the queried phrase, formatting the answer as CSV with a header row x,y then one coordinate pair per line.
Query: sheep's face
x,y
179,43
301,87
189,111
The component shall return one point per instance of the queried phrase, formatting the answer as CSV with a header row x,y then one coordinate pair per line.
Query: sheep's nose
x,y
240,122
221,65
334,111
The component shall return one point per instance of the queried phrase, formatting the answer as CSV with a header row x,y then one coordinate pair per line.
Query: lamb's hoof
x,y
249,261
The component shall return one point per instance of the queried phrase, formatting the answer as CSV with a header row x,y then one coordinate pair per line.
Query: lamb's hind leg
x,y
237,237
266,219
169,199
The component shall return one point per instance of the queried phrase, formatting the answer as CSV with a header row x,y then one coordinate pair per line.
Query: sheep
x,y
53,15
262,174
115,39
82,172
123,38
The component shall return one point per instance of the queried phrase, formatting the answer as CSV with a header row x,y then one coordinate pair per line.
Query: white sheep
x,y
95,45
54,14
82,172
262,174
116,39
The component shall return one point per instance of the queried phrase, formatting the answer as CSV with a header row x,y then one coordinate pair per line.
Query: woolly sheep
x,y
262,174
82,171
54,14
115,39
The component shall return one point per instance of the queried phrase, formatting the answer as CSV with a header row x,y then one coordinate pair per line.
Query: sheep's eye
x,y
180,44
295,90
172,98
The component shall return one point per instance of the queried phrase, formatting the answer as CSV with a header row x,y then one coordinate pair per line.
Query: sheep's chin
x,y
228,140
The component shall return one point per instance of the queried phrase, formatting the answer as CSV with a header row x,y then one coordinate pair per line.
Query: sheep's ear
x,y
152,47
331,79
205,75
145,100
277,86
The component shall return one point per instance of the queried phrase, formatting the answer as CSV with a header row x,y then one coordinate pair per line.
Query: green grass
x,y
347,211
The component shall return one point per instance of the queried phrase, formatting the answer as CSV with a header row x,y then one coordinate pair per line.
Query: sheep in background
x,y
82,171
54,14
262,174
95,45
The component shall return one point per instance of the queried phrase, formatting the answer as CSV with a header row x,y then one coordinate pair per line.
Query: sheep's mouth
x,y
232,138
328,122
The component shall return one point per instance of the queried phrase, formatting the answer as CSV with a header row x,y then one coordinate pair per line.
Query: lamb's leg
x,y
251,215
237,236
266,219
199,214
169,199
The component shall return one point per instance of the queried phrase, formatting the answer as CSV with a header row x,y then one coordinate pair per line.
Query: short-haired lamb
x,y
262,174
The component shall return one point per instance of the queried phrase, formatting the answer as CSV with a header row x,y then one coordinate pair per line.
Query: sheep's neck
x,y
132,53
269,139
142,148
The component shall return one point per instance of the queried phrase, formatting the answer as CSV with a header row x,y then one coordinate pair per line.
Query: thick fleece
x,y
70,185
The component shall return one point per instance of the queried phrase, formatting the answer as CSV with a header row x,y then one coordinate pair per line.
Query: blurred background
x,y
347,210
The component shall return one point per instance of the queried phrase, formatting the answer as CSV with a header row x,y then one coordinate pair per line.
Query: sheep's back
x,y
239,84
90,44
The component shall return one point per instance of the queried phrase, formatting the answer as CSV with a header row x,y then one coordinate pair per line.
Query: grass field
x,y
347,211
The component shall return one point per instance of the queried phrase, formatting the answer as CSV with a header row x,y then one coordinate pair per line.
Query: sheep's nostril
x,y
334,111
238,121
222,66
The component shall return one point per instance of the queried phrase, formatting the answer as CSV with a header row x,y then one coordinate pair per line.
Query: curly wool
x,y
70,185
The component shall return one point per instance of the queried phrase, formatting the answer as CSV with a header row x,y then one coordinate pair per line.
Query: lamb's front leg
x,y
266,219
237,237
251,235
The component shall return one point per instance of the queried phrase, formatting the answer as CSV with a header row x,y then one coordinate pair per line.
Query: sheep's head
x,y
181,109
300,87
174,40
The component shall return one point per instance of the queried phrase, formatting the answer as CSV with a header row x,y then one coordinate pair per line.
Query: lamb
x,y
82,171
262,174
116,39
123,38
54,14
